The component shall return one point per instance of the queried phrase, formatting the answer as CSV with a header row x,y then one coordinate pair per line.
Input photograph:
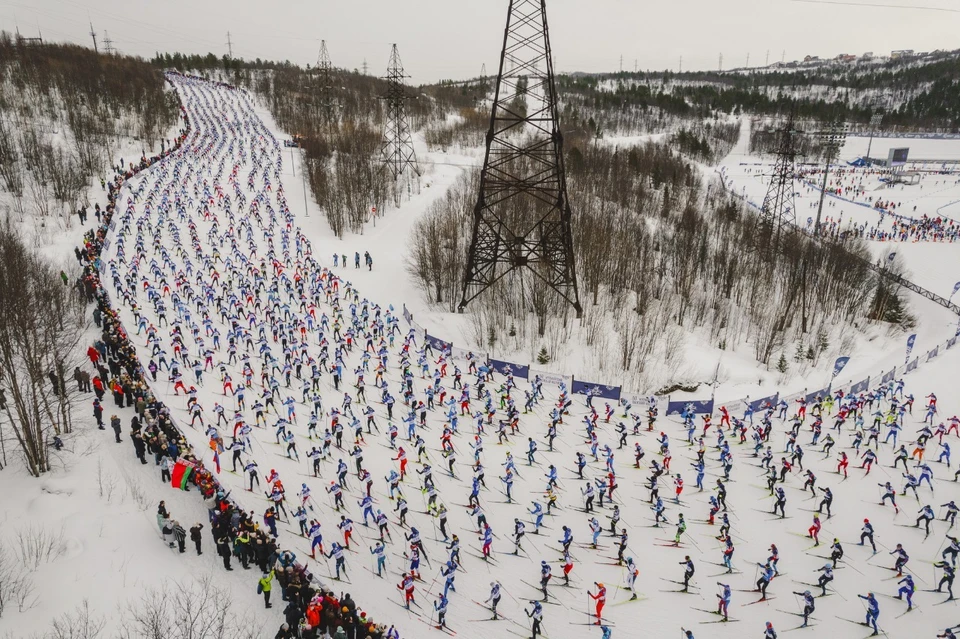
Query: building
x,y
901,53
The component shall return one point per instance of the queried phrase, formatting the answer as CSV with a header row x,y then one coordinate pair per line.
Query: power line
x,y
882,6
396,149
522,217
325,98
108,43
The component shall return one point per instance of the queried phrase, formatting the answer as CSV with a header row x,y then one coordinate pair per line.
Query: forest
x,y
659,252
64,111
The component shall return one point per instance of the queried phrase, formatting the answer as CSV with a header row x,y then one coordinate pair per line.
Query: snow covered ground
x,y
660,611
934,265
871,351
111,550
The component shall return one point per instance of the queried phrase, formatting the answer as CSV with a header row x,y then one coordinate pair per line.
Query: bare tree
x,y
41,327
188,610
79,624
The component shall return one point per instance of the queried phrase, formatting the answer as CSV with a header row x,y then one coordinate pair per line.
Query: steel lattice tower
x,y
325,100
522,216
396,149
778,214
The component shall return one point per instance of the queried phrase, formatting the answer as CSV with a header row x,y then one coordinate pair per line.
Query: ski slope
x,y
187,208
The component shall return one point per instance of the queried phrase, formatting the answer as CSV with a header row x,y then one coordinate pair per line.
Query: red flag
x,y
181,473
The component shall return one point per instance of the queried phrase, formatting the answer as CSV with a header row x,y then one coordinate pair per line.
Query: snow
x,y
109,545
932,265
662,613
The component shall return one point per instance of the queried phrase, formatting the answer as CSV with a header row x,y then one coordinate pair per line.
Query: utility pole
x,y
621,63
721,62
681,65
834,137
108,44
777,216
93,34
396,149
364,66
229,46
875,120
748,61
636,64
326,101
303,180
783,56
483,72
766,62
522,217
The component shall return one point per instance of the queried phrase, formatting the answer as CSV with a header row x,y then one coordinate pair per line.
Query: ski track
x,y
227,132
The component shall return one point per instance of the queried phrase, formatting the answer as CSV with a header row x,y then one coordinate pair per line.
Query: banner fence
x,y
640,401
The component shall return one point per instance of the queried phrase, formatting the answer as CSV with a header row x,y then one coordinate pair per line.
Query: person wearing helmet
x,y
867,533
769,632
814,530
873,611
494,598
809,605
688,570
601,598
546,572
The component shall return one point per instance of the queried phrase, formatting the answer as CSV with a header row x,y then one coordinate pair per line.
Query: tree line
x,y
341,132
659,255
64,111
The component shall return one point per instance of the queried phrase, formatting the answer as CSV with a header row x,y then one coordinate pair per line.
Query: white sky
x,y
452,38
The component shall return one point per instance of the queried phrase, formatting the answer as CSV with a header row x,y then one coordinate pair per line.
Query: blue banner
x,y
438,344
933,353
951,342
860,387
764,402
956,287
407,315
507,368
822,393
912,365
596,390
910,342
839,364
887,377
700,406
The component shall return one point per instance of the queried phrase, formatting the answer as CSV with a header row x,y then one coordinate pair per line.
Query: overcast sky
x,y
452,38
